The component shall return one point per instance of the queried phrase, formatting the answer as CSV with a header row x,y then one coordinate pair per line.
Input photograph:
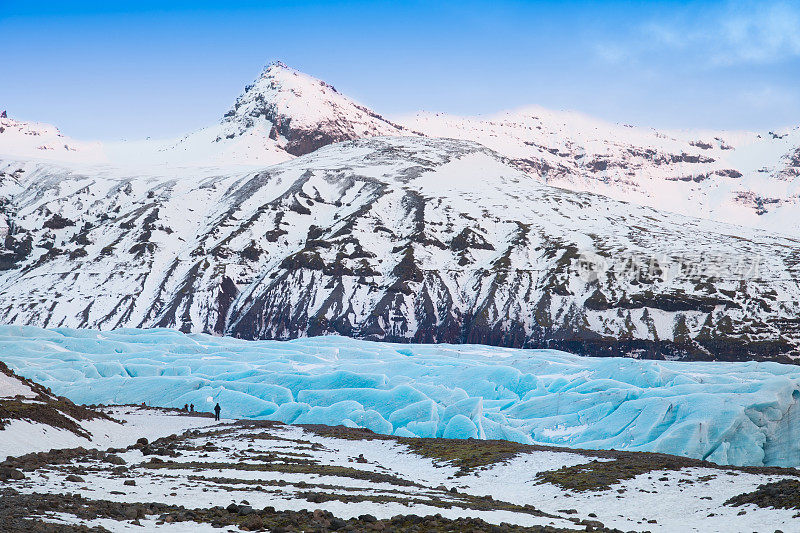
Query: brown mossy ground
x,y
606,468
45,408
465,454
53,413
308,467
463,501
18,513
601,475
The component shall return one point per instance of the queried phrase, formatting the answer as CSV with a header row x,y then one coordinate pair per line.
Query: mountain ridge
x,y
416,238
406,239
746,178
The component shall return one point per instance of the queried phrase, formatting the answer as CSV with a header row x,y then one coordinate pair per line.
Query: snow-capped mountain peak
x,y
301,113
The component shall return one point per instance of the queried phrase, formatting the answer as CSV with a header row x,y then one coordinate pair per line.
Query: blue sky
x,y
109,70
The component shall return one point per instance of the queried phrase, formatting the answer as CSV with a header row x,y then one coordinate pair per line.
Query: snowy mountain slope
x,y
402,239
735,177
11,386
113,427
38,141
743,178
29,412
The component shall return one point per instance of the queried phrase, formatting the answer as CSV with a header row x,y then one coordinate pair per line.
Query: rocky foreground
x,y
266,476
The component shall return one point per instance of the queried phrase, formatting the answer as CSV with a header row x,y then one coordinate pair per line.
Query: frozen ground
x,y
25,436
728,413
254,474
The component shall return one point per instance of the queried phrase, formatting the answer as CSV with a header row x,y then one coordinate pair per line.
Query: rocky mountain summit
x,y
284,113
302,113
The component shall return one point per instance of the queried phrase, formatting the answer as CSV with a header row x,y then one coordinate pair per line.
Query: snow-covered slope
x,y
403,239
743,178
11,387
33,419
38,141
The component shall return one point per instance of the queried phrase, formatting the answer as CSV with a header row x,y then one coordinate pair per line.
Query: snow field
x,y
20,437
660,501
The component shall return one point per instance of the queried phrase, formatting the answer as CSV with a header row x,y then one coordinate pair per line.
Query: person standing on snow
x,y
217,409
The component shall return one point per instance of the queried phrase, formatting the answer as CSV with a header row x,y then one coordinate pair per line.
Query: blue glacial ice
x,y
729,413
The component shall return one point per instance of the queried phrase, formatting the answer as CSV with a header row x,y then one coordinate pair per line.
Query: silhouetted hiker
x,y
186,407
191,408
217,409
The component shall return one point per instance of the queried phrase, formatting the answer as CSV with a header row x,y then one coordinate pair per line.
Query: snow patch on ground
x,y
11,387
22,436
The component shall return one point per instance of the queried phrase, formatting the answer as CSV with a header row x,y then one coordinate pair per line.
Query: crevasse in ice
x,y
729,413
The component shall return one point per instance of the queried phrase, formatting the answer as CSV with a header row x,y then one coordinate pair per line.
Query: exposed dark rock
x,y
784,494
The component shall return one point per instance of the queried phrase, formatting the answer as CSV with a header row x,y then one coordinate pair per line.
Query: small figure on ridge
x,y
217,409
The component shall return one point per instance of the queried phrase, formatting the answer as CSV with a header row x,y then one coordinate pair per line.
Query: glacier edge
x,y
742,413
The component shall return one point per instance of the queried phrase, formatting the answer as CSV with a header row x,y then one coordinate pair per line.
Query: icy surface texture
x,y
729,413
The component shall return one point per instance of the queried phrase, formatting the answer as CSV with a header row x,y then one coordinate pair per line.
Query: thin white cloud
x,y
768,96
612,53
760,33
739,33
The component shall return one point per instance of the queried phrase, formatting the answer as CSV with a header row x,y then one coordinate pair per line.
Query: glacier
x,y
742,413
